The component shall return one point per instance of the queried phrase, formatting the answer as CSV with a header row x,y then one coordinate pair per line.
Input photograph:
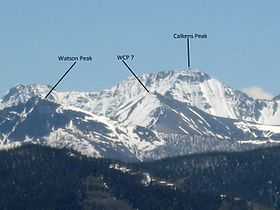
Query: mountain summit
x,y
192,87
185,112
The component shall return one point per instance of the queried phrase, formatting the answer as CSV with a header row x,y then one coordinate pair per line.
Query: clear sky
x,y
242,48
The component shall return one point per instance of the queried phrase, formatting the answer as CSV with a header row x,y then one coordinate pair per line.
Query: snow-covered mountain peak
x,y
192,87
183,75
22,93
126,122
162,81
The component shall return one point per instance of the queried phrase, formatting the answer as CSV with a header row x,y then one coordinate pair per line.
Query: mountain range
x,y
186,112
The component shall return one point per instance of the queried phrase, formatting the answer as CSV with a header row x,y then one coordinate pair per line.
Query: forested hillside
x,y
38,177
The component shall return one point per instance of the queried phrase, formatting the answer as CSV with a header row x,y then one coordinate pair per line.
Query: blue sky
x,y
242,48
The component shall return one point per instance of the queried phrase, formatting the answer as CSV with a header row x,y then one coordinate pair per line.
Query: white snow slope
x,y
189,86
134,123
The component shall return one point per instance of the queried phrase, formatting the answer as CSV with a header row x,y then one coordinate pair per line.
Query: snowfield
x,y
185,112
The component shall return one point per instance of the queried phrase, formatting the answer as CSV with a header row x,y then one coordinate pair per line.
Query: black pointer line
x,y
36,103
135,76
60,80
188,52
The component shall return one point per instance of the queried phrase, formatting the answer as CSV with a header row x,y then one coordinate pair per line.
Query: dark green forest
x,y
39,177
